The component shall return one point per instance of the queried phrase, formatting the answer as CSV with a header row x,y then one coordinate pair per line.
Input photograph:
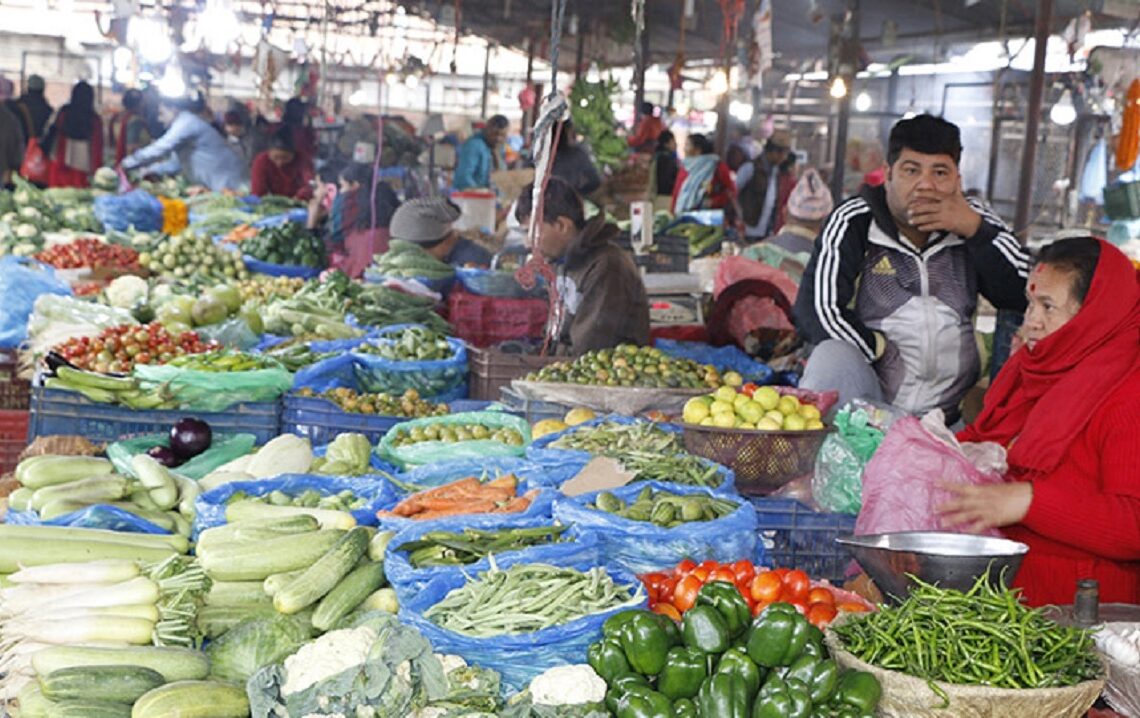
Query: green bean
x,y
448,548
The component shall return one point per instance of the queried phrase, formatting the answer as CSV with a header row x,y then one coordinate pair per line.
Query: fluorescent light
x,y
718,85
862,102
412,81
151,38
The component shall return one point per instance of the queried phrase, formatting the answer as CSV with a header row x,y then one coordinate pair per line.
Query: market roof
x,y
800,29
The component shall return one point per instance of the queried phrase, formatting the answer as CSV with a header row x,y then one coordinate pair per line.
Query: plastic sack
x,y
408,581
367,373
96,516
223,449
725,359
135,209
541,450
642,547
233,334
257,266
900,482
427,452
517,657
837,483
541,507
211,505
532,474
379,468
216,391
22,282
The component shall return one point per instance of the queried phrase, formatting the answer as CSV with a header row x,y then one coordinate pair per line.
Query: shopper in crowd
x,y
75,142
1067,406
808,204
427,221
648,128
890,292
703,181
243,137
481,155
189,146
356,218
764,188
602,299
11,146
572,163
281,171
31,108
294,120
665,163
128,130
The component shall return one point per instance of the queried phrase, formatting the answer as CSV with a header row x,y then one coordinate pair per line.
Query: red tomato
x,y
724,573
744,571
852,607
709,565
667,609
748,389
766,588
797,585
701,573
820,614
684,567
685,595
759,606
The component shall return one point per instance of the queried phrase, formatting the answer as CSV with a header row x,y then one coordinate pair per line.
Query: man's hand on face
x,y
931,210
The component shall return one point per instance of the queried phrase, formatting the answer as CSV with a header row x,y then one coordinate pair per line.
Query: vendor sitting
x,y
280,171
1067,406
602,299
427,221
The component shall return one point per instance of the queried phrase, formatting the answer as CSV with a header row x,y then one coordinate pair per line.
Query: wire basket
x,y
763,460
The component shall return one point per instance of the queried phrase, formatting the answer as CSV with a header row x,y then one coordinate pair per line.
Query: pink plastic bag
x,y
900,482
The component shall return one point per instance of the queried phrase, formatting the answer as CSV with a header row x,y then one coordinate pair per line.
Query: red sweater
x,y
721,192
292,180
1084,521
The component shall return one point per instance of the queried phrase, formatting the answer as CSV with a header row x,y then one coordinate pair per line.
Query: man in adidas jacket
x,y
890,292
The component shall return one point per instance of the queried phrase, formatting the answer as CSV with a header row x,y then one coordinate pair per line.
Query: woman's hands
x,y
978,508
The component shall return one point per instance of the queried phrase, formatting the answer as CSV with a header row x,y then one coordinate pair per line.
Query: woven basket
x,y
763,460
909,697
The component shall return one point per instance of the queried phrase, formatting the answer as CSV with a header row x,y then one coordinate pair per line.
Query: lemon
x,y
767,397
579,416
788,405
726,394
809,412
733,379
814,424
695,411
722,407
547,426
724,421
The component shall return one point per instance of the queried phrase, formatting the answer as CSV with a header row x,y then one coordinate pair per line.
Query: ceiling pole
x,y
486,80
580,55
1033,118
849,46
642,64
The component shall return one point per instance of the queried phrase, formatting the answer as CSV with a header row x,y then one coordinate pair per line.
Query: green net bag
x,y
431,451
223,449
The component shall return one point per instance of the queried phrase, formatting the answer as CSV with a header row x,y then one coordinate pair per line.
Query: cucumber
x,y
213,621
257,561
174,664
271,585
322,576
93,490
20,499
252,531
33,703
88,709
119,684
347,595
51,470
193,699
235,593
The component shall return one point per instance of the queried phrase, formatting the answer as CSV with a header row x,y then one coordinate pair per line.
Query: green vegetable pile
x,y
528,597
629,365
411,344
453,433
197,259
450,548
591,108
309,499
408,260
665,508
225,362
408,405
649,451
984,636
289,243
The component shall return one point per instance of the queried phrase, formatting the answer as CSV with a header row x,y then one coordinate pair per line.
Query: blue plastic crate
x,y
280,270
321,420
794,536
55,412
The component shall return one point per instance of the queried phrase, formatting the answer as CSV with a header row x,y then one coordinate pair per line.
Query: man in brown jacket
x,y
602,300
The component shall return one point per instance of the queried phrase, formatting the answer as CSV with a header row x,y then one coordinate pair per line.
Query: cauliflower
x,y
450,662
29,212
127,291
22,196
568,686
10,217
332,653
26,231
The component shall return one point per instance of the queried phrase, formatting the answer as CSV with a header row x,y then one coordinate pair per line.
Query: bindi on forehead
x,y
1033,286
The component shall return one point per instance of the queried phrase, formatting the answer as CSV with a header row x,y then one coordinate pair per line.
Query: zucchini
x,y
175,664
88,709
54,534
93,490
33,703
329,519
323,575
157,479
347,595
21,499
256,561
193,699
61,507
50,470
17,553
121,684
235,593
378,544
383,600
257,530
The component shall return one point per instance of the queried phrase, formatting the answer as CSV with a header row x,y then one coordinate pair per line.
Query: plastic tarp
x,y
223,449
22,282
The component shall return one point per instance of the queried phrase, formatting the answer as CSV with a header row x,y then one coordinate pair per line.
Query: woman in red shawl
x,y
1067,406
78,140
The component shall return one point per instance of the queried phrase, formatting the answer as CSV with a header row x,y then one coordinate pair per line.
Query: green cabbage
x,y
257,642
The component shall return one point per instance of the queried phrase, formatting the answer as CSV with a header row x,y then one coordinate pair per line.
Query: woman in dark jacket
x,y
666,163
76,140
573,164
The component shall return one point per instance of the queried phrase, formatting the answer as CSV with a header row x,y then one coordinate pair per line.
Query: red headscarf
x,y
1045,398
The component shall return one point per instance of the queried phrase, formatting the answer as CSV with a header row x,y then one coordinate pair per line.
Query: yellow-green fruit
x,y
696,410
814,424
767,397
767,424
788,405
733,379
751,412
809,412
707,421
721,407
725,393
776,417
724,421
794,422
740,400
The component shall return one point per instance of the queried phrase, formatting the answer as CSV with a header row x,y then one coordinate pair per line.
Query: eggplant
x,y
164,455
190,437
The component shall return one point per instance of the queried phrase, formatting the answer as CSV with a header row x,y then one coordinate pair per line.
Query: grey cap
x,y
423,220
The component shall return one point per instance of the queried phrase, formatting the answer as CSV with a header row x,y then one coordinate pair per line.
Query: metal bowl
x,y
947,559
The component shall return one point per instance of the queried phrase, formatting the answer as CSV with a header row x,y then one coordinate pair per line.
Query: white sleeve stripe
x,y
826,276
1011,249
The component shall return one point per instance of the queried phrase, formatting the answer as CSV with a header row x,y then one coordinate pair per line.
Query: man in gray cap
x,y
32,108
427,221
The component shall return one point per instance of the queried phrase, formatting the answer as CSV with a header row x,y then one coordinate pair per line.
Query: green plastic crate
x,y
1122,201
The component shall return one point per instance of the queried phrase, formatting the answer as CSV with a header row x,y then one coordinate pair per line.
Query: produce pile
x,y
628,365
752,407
287,243
591,109
195,259
408,260
665,508
451,548
454,433
702,238
119,349
88,252
463,497
408,405
411,344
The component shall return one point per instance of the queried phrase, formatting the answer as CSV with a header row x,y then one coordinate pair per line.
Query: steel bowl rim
x,y
1018,548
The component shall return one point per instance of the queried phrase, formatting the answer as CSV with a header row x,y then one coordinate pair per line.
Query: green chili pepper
x,y
778,636
726,599
685,669
704,629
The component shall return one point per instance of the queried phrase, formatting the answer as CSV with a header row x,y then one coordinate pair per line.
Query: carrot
x,y
503,482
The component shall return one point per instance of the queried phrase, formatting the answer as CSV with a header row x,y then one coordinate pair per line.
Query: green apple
x,y
788,405
767,424
768,397
725,393
695,411
794,422
740,400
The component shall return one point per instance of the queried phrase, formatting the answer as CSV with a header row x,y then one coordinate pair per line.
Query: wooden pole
x,y
486,80
1033,119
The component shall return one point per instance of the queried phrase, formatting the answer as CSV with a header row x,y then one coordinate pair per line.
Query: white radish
x,y
29,596
127,593
133,631
106,571
148,612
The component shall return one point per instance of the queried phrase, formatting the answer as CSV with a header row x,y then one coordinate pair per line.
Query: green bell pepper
x,y
651,704
623,685
685,669
858,689
820,676
684,708
645,643
726,599
613,625
778,636
736,662
780,699
607,658
725,696
704,629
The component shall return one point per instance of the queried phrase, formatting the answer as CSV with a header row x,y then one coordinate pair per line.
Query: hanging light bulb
x,y
594,74
718,85
838,88
412,81
172,83
862,102
1063,113
151,38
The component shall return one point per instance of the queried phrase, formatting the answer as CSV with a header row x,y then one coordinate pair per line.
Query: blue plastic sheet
x,y
211,506
517,657
136,209
97,516
297,214
22,281
726,358
254,264
532,474
641,547
408,581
